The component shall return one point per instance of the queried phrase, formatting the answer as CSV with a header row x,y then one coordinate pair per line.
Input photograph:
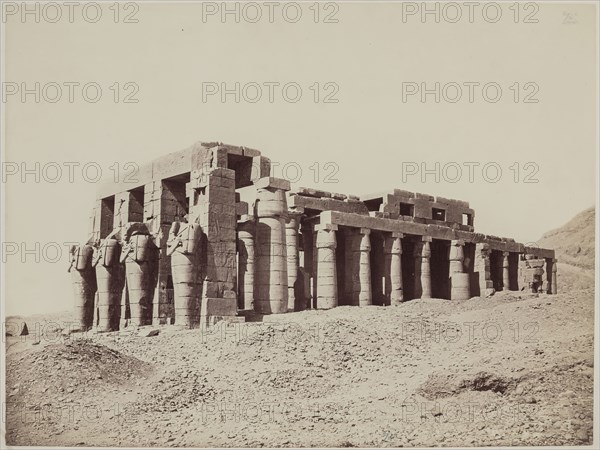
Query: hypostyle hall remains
x,y
180,247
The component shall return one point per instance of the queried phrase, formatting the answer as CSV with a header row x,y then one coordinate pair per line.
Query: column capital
x,y
296,211
426,238
422,249
482,249
505,254
457,242
396,234
365,241
392,245
245,218
326,238
365,231
292,219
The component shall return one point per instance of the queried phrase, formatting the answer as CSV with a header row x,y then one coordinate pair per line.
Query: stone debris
x,y
425,374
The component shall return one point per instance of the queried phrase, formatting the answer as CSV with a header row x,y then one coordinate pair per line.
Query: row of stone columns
x,y
278,263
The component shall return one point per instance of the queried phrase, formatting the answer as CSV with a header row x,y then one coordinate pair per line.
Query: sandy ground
x,y
513,369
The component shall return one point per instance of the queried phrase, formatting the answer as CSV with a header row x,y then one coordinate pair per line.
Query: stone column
x,y
139,254
327,292
315,269
459,280
457,256
554,281
362,289
271,278
291,238
160,210
307,247
184,248
392,247
423,268
482,266
245,262
84,282
505,271
350,268
110,279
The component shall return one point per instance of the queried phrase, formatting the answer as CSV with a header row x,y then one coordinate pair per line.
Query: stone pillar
x,y
315,269
482,266
212,194
505,271
554,281
83,277
159,213
291,238
110,279
307,247
392,247
327,292
350,268
246,262
459,280
531,272
271,293
423,268
184,247
139,254
457,256
362,288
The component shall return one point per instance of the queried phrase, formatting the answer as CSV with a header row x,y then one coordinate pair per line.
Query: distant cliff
x,y
575,246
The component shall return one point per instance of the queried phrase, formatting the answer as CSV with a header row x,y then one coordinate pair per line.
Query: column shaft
x,y
554,281
271,278
393,269
505,271
291,230
327,292
459,281
423,268
246,263
482,265
363,287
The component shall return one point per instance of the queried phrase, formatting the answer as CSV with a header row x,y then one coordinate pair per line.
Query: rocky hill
x,y
574,243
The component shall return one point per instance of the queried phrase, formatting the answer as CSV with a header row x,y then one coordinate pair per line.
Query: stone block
x,y
310,192
261,168
272,183
219,307
326,204
403,194
426,197
250,152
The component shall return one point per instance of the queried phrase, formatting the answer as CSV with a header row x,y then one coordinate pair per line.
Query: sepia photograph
x,y
309,224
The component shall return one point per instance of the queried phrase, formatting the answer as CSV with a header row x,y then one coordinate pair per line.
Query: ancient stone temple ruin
x,y
181,247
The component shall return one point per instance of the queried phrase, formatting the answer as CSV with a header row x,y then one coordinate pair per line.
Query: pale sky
x,y
370,133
